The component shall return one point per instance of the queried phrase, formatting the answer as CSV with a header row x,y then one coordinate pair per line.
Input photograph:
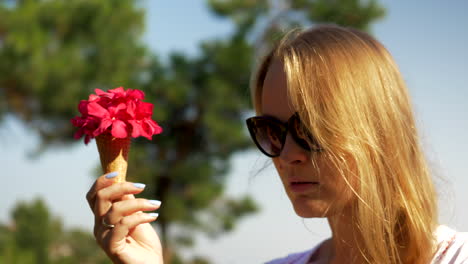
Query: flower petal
x,y
136,128
135,94
155,128
119,129
131,109
119,91
78,134
77,121
103,126
100,92
114,110
83,107
93,97
146,109
97,110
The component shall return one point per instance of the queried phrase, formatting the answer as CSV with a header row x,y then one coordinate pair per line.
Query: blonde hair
x,y
350,94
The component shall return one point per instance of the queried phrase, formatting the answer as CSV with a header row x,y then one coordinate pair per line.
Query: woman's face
x,y
315,188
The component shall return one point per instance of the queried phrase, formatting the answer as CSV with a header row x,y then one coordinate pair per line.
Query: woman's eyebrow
x,y
273,117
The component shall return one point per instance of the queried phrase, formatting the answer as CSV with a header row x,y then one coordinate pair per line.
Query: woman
x,y
335,117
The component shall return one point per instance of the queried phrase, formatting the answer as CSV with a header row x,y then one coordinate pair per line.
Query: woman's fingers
x,y
128,207
122,229
116,191
120,211
100,183
114,239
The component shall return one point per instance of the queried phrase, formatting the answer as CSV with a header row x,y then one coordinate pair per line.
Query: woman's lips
x,y
303,186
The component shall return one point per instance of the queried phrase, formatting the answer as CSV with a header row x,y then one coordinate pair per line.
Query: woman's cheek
x,y
277,164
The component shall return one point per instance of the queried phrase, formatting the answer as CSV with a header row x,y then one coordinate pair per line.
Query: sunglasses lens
x,y
268,135
303,137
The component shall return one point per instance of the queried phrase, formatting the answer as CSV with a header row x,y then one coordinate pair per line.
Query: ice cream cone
x,y
113,153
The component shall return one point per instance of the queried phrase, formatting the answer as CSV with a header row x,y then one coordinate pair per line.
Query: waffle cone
x,y
113,153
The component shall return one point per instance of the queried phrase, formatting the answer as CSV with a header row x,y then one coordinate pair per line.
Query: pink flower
x,y
142,124
118,112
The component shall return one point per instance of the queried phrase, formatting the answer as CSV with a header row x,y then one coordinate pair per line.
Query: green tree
x,y
6,244
33,229
76,246
276,17
37,237
52,53
353,13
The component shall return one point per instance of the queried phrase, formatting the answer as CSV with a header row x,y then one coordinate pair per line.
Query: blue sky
x,y
429,41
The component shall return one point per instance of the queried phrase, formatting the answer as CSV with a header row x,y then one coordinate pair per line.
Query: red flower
x,y
122,113
142,124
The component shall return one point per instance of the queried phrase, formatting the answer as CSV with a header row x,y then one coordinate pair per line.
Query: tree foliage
x,y
52,53
353,13
35,236
265,21
33,229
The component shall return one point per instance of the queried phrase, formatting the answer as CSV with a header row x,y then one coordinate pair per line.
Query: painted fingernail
x,y
155,215
139,185
155,202
112,175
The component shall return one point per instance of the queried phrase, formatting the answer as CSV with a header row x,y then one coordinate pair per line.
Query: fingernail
x,y
155,202
139,185
155,215
112,175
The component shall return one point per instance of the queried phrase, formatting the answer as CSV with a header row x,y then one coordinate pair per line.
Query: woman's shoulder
x,y
453,246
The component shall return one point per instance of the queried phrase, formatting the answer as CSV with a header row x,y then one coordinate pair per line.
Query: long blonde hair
x,y
350,94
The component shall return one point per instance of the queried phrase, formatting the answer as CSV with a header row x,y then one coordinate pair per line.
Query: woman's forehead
x,y
275,99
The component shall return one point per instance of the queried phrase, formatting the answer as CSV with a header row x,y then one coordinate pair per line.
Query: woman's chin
x,y
311,209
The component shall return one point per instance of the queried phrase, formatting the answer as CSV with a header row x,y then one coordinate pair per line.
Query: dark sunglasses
x,y
269,134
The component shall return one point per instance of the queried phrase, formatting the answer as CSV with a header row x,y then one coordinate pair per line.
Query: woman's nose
x,y
292,153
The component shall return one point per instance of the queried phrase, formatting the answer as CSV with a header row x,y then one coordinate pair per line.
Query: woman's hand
x,y
120,226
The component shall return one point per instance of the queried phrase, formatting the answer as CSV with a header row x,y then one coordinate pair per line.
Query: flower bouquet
x,y
113,118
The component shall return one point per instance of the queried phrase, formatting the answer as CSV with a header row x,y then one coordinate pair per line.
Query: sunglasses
x,y
269,134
